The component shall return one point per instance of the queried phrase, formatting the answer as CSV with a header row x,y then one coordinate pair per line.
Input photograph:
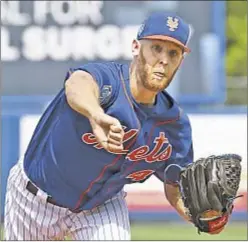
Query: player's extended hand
x,y
108,132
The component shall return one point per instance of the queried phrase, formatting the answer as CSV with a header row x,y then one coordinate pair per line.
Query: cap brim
x,y
168,38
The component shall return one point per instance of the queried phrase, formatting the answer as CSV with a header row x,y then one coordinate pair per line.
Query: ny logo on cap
x,y
173,24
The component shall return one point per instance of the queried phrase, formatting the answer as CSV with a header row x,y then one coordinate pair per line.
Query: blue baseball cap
x,y
166,26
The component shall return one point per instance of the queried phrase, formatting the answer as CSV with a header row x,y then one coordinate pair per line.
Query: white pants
x,y
29,217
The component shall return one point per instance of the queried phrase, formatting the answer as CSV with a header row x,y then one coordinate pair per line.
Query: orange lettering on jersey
x,y
141,153
140,175
90,138
164,155
159,142
138,154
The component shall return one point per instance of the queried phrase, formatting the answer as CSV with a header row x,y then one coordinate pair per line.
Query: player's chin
x,y
158,85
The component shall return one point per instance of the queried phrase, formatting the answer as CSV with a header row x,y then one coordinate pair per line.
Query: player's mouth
x,y
159,75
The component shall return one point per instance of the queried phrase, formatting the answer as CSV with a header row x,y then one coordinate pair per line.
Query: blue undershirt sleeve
x,y
170,173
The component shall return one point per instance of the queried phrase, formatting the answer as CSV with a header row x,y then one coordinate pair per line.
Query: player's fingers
x,y
116,128
115,136
104,144
114,142
114,148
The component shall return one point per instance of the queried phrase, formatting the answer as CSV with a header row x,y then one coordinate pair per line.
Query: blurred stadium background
x,y
40,40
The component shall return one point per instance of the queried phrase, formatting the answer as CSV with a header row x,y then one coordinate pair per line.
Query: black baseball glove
x,y
208,188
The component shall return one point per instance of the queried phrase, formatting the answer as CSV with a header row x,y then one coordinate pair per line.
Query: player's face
x,y
157,63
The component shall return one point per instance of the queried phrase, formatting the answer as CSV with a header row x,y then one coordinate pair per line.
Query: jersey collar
x,y
165,108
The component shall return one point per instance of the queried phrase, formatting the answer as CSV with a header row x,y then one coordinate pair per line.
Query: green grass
x,y
181,231
1,233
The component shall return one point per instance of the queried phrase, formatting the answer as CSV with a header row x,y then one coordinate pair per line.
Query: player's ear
x,y
135,47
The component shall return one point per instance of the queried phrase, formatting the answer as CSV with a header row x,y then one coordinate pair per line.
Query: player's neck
x,y
138,91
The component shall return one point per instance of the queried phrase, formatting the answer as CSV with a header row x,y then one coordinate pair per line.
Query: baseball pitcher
x,y
111,124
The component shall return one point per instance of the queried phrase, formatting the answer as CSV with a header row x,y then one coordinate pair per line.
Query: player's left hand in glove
x,y
208,188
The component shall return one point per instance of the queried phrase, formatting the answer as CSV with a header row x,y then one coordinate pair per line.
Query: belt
x,y
34,190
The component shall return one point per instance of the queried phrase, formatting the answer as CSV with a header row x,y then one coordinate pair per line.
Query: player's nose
x,y
163,60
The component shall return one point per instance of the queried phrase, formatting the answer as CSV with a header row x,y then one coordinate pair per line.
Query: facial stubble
x,y
144,78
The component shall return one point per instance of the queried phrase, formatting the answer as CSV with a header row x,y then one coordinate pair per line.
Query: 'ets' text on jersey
x,y
64,159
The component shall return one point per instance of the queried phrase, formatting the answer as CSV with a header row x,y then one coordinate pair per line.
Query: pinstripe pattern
x,y
117,219
24,212
95,225
90,228
108,222
9,201
28,217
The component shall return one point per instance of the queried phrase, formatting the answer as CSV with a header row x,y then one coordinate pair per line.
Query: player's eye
x,y
173,53
157,48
